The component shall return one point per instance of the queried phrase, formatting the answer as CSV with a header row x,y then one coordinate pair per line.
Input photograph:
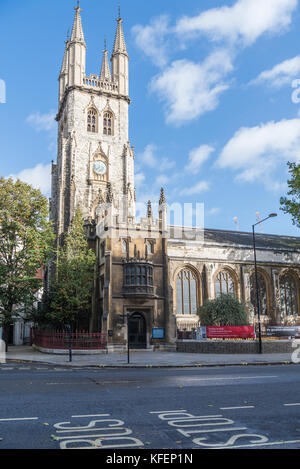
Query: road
x,y
47,407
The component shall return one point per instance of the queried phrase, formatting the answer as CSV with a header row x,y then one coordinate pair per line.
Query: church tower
x,y
95,161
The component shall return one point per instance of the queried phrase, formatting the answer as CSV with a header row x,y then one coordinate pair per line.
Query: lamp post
x,y
256,278
69,330
128,344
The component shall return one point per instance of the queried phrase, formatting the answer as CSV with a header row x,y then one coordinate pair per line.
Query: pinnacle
x,y
77,31
105,70
162,199
119,44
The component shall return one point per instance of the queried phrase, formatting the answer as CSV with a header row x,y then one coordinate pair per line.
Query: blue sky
x,y
212,117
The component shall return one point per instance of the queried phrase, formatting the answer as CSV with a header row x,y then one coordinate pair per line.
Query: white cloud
x,y
281,74
139,178
148,156
150,39
190,89
256,152
197,157
42,121
202,186
213,211
166,164
39,177
244,22
162,180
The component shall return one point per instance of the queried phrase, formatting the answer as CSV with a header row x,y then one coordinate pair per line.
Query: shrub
x,y
226,310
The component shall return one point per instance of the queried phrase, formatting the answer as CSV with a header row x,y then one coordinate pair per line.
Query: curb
x,y
199,365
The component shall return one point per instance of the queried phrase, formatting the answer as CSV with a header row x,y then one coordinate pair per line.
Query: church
x,y
150,276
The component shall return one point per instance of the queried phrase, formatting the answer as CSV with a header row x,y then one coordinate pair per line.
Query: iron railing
x,y
61,339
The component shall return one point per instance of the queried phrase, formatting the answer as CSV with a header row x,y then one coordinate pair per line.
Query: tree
x,y
291,204
226,310
71,292
26,239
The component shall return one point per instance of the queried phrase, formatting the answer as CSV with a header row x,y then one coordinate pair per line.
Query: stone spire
x,y
105,70
162,199
77,31
149,209
77,51
119,44
119,61
64,67
63,76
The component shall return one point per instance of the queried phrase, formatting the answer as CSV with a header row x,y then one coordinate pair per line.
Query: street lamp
x,y
128,338
256,279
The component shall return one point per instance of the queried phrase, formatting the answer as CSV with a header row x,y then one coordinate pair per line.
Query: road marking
x,y
273,443
167,411
70,383
296,403
15,419
241,407
90,415
231,378
113,435
214,430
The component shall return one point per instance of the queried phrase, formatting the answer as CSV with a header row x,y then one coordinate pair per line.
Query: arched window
x,y
224,283
186,292
108,124
92,121
288,295
262,293
124,245
149,249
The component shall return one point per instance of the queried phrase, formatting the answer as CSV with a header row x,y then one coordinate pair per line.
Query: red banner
x,y
232,332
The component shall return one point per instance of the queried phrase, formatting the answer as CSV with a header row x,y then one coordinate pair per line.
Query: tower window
x,y
108,124
92,121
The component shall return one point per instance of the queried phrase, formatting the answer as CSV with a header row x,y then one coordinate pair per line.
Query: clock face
x,y
99,167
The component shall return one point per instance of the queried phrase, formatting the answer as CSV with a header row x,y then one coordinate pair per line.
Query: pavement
x,y
145,359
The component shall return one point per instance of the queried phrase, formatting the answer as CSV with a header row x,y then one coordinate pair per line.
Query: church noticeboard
x,y
158,333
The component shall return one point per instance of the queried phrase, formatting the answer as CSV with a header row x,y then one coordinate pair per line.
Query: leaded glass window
x,y
288,295
108,124
138,275
262,293
186,292
224,284
92,120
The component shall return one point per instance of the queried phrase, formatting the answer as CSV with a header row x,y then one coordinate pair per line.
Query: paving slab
x,y
145,359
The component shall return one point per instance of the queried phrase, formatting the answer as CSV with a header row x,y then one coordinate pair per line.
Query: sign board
x,y
282,331
201,333
110,333
158,333
230,332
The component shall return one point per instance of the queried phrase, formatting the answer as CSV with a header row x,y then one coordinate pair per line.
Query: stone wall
x,y
235,347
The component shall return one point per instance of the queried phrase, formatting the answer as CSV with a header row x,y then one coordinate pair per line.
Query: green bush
x,y
225,310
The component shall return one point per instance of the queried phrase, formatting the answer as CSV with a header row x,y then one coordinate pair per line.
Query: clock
x,y
99,168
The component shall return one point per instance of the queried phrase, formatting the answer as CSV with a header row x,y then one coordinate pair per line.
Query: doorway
x,y
137,331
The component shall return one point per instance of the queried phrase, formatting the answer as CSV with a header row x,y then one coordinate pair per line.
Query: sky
x,y
215,90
